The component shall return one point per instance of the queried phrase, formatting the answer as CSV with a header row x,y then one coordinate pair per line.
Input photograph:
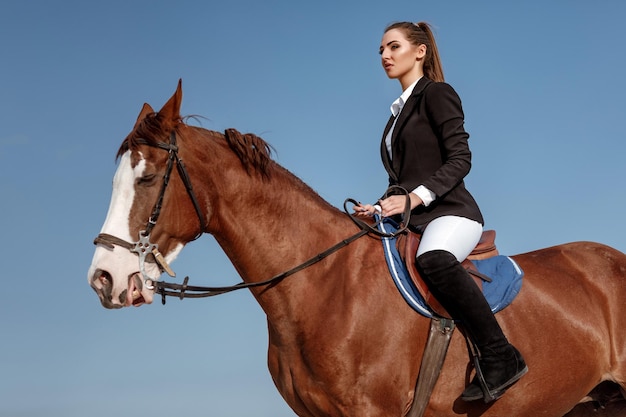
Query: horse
x,y
342,341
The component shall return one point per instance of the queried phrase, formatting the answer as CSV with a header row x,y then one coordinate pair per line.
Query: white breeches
x,y
457,235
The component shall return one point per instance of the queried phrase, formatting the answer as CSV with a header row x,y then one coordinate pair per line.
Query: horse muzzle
x,y
135,293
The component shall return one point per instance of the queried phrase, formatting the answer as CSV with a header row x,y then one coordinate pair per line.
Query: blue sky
x,y
543,90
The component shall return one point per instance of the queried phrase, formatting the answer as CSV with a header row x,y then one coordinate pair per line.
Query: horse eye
x,y
146,180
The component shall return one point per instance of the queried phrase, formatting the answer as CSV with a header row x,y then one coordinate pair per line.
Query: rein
x,y
149,252
182,290
192,291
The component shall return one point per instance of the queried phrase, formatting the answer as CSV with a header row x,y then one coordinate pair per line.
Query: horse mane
x,y
256,156
254,153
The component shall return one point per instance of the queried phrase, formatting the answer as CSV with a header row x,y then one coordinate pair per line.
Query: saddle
x,y
407,245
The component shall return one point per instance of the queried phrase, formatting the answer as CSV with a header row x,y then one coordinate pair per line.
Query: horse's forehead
x,y
136,158
131,165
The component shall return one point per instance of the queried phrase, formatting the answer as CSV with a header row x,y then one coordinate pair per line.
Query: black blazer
x,y
429,147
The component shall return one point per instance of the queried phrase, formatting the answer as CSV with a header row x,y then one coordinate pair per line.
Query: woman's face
x,y
400,58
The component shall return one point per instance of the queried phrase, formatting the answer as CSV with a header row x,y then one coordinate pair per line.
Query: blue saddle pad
x,y
506,276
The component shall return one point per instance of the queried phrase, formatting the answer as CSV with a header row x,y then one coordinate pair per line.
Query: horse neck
x,y
267,226
270,226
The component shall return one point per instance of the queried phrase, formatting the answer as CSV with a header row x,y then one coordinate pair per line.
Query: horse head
x,y
153,211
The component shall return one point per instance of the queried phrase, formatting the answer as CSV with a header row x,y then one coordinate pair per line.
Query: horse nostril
x,y
103,278
102,283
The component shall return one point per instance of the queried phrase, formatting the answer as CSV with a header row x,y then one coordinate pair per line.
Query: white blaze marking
x,y
119,262
117,220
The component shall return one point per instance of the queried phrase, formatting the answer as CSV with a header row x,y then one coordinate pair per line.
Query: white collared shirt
x,y
422,192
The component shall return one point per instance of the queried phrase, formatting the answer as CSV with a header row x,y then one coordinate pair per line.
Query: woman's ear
x,y
421,51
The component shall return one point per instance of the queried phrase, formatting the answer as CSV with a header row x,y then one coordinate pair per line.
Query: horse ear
x,y
145,110
171,109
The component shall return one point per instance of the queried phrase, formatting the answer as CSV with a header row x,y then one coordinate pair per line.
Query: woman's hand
x,y
364,210
395,204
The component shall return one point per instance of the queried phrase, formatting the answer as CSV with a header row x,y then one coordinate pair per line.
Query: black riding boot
x,y
501,364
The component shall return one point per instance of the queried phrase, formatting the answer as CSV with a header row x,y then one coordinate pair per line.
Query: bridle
x,y
149,252
146,250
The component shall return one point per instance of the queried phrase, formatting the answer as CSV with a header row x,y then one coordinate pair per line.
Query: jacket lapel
x,y
385,154
409,107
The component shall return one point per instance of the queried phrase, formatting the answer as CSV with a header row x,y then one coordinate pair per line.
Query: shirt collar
x,y
396,106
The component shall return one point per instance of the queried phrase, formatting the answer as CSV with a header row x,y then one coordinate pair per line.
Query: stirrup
x,y
489,395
